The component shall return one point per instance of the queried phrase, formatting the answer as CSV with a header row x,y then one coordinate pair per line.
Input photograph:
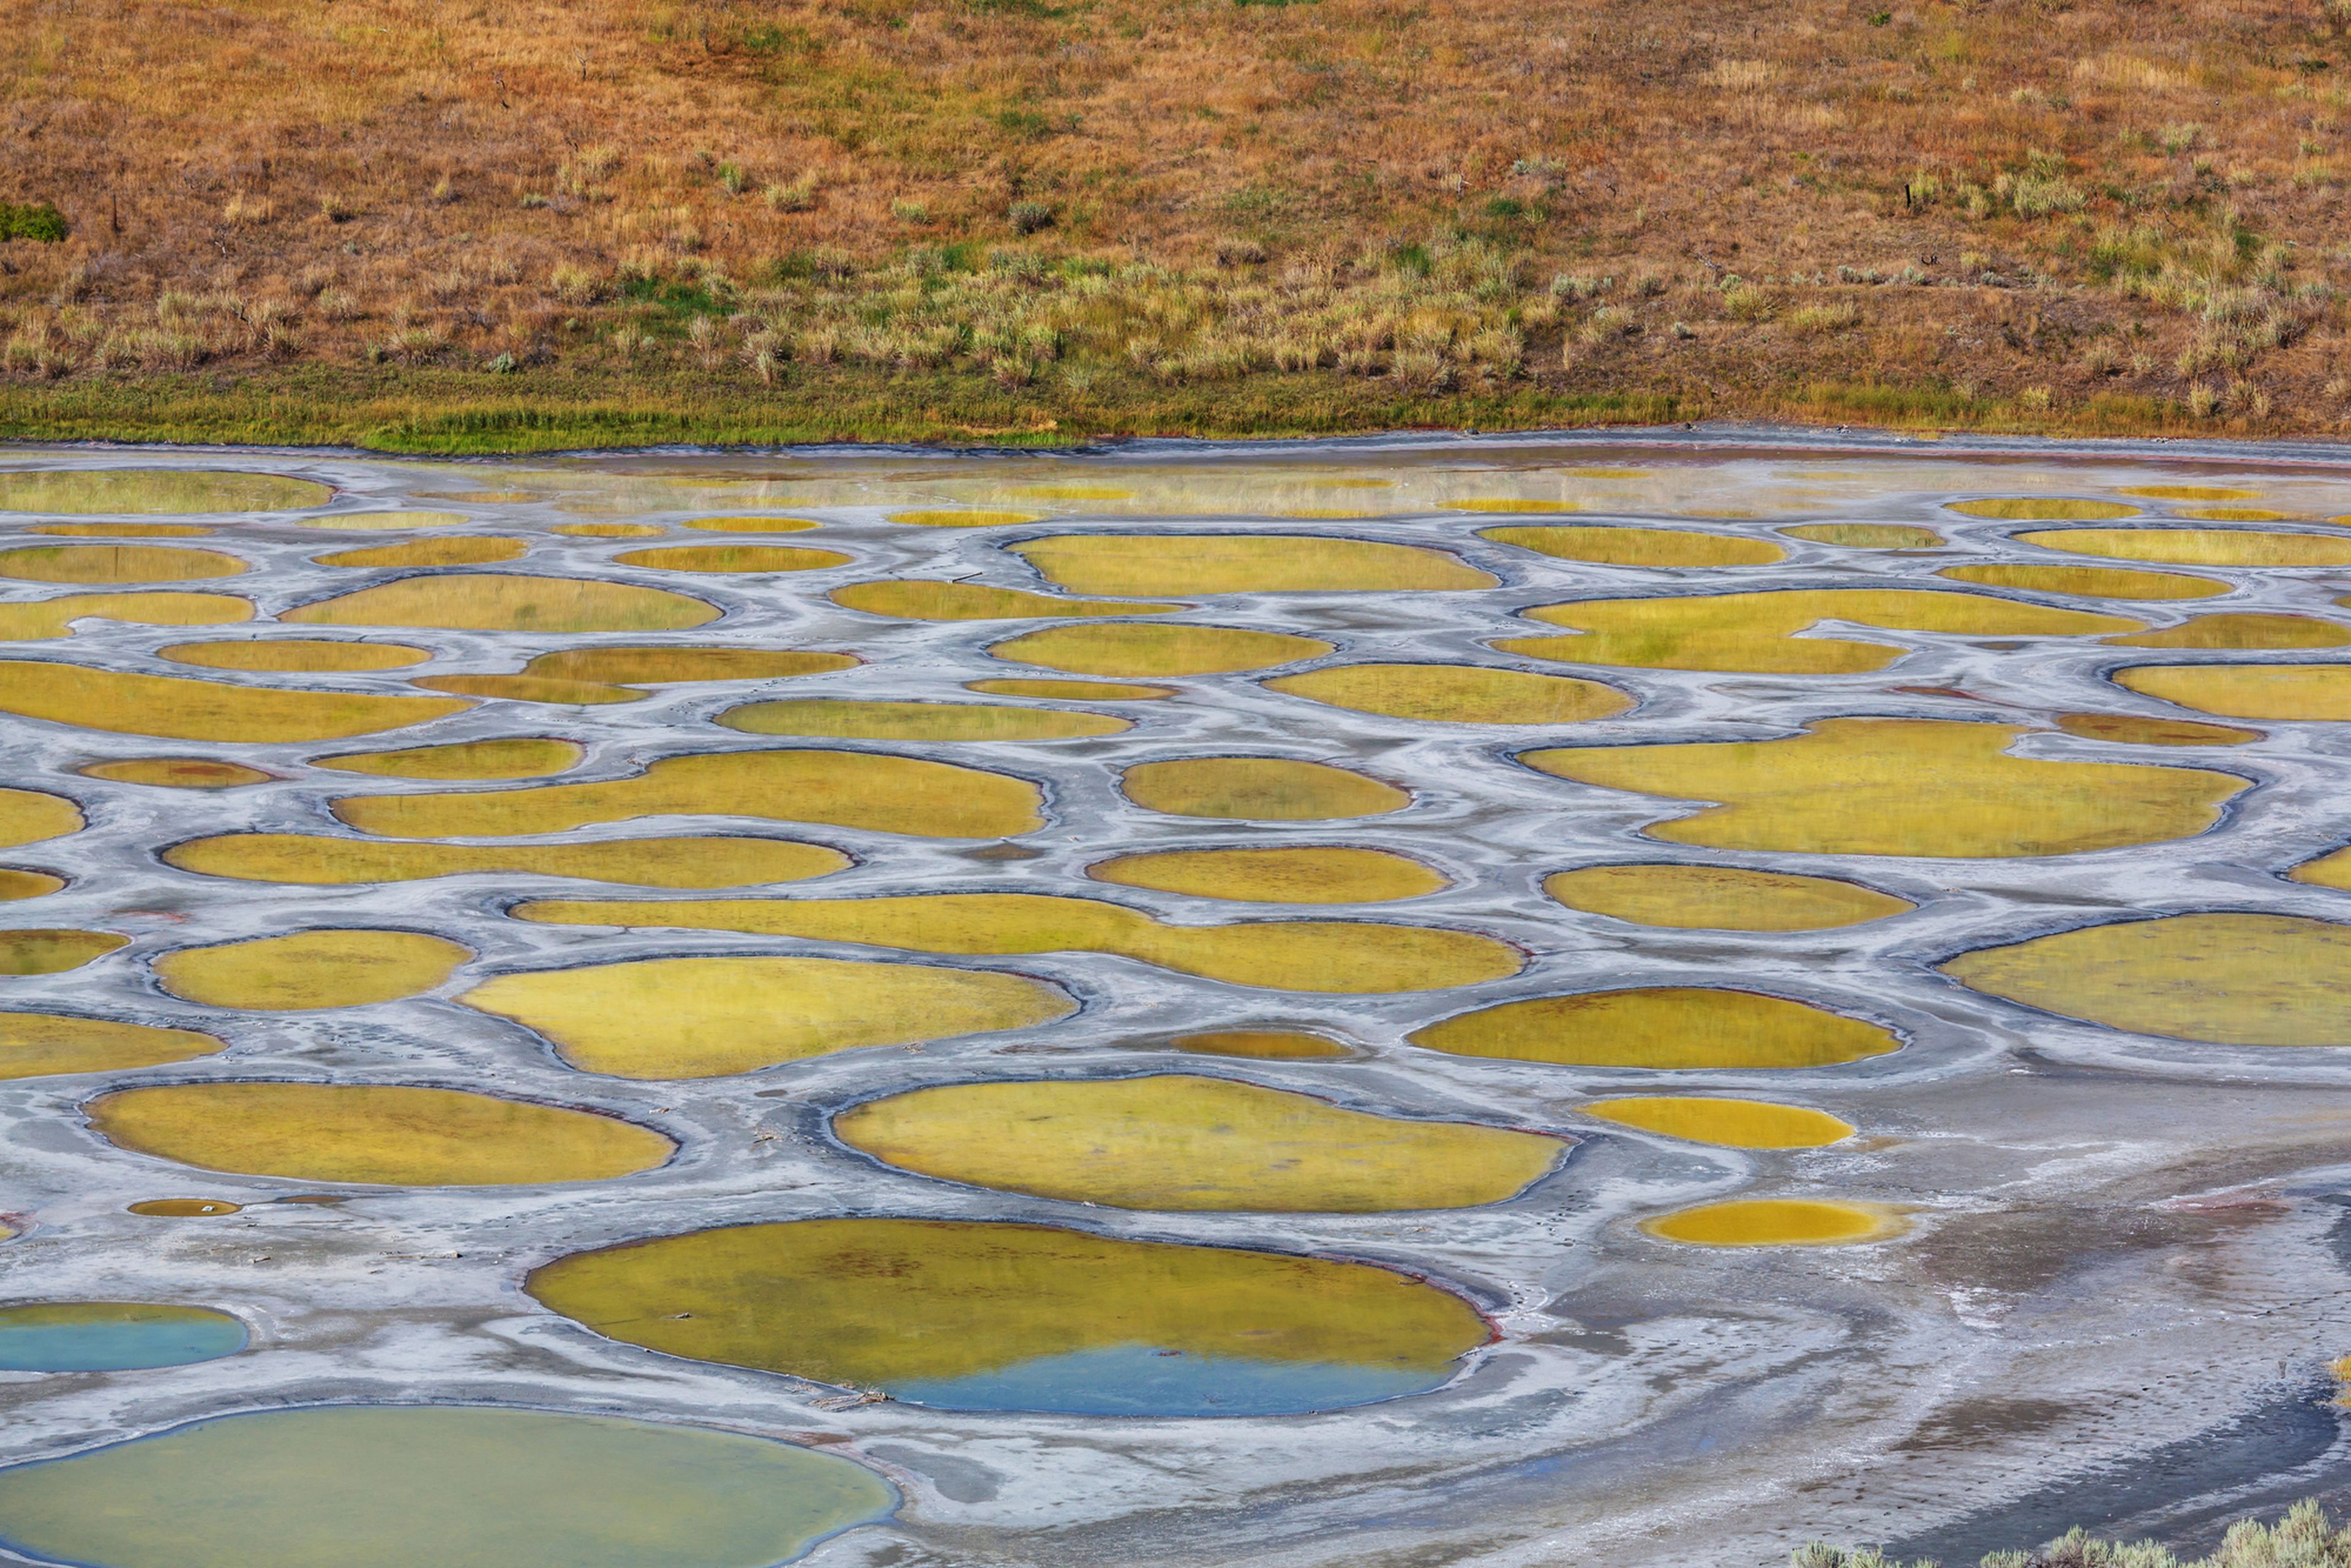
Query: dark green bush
x,y
33,220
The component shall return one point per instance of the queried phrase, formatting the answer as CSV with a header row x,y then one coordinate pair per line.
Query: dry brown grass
x,y
2029,198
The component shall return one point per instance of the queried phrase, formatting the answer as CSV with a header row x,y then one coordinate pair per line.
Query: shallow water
x,y
113,1336
1464,1001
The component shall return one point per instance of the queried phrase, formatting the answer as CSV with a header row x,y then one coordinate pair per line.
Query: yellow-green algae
x,y
1131,648
376,522
2136,729
29,815
170,707
2241,514
917,599
732,559
508,756
136,491
33,620
453,549
2198,547
608,530
115,563
2288,692
183,1207
375,1134
1070,690
310,969
843,789
1867,536
177,772
2087,582
1180,1141
1758,632
1456,694
707,1018
595,675
2043,509
315,859
860,1302
1149,564
293,654
1778,1222
1640,547
937,517
1902,787
2231,979
1259,789
840,719
1305,873
2332,870
1261,1044
2243,632
49,951
1353,956
125,530
1675,1028
1720,898
378,1486
2191,493
1731,1124
35,1045
16,886
498,601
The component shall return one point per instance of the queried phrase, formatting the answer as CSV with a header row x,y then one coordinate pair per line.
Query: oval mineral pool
x,y
609,530
35,1045
2198,547
511,756
2291,693
751,525
310,969
32,619
732,559
115,563
596,676
176,773
840,719
184,1207
1456,694
375,1134
1259,789
2042,508
2136,729
1303,875
124,530
2231,979
1640,547
1759,631
845,788
493,602
2244,632
1720,898
53,952
1867,536
1902,787
1070,690
1778,1222
1178,1142
171,708
360,1486
1045,1319
962,518
1160,565
29,815
1121,648
453,549
318,861
113,1336
383,522
707,1018
2087,581
293,654
18,885
918,600
1732,1123
1671,1028
133,491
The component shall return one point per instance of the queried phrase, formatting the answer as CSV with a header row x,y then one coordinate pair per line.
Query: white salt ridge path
x,y
2120,1240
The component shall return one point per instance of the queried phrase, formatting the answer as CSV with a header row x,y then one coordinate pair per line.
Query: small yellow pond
x,y
2287,692
29,815
1675,1028
41,950
134,491
1456,694
921,600
451,550
284,654
1866,536
2198,547
1189,1142
171,709
1140,648
2245,632
1732,1123
177,772
492,601
310,969
115,563
838,719
315,859
1162,564
588,676
1259,789
2087,581
514,757
1720,898
1319,874
732,559
1640,547
1778,1222
33,1045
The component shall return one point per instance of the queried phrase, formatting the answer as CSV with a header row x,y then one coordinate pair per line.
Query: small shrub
x,y
1821,320
334,209
2202,400
1237,250
1744,302
36,221
910,212
730,176
795,196
1028,217
572,284
241,210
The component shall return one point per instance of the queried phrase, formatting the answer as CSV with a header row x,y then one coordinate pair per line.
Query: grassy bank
x,y
2303,1538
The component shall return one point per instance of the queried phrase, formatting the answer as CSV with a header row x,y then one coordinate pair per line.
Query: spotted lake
x,y
1633,999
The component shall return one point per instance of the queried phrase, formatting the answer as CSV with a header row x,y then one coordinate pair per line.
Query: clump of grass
x,y
1821,320
797,195
2302,1539
1029,217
